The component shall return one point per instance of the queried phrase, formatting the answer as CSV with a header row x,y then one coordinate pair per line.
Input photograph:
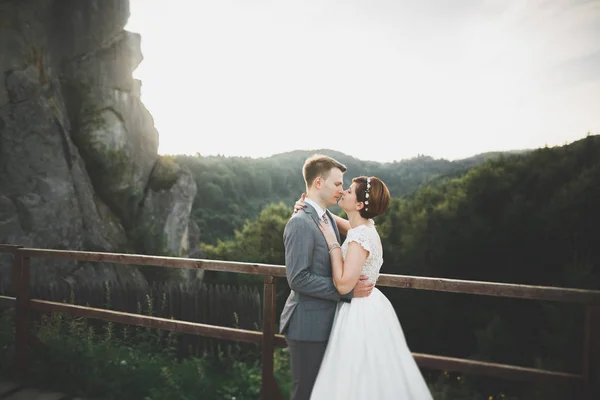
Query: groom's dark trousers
x,y
306,357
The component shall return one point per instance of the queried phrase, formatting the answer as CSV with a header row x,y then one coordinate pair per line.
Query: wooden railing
x,y
588,381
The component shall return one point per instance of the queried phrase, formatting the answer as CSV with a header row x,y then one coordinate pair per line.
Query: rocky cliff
x,y
79,167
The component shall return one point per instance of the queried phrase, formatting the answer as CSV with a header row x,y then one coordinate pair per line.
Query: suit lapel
x,y
310,210
313,213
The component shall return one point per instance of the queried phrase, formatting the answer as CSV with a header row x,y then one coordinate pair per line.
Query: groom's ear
x,y
318,182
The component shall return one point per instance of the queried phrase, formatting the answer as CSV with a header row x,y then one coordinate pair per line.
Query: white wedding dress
x,y
367,356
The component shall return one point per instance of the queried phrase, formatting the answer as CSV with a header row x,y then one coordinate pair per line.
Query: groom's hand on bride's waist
x,y
363,288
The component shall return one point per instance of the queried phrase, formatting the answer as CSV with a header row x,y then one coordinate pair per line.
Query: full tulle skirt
x,y
367,356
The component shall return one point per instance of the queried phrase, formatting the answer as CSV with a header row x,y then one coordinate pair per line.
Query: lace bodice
x,y
367,236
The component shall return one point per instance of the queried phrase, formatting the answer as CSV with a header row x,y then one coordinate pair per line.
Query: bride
x,y
367,356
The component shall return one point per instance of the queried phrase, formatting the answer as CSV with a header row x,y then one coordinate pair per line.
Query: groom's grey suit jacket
x,y
309,310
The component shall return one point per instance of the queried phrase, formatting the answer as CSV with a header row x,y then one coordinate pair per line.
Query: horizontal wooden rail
x,y
214,331
505,371
146,321
511,372
8,248
157,261
7,302
530,292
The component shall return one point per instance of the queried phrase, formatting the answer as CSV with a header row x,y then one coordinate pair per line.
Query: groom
x,y
307,317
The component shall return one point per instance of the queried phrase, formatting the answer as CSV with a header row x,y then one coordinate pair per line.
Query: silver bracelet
x,y
333,246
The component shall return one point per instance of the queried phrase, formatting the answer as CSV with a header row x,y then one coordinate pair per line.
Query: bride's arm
x,y
346,273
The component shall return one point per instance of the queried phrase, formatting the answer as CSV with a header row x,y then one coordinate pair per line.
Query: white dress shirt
x,y
321,212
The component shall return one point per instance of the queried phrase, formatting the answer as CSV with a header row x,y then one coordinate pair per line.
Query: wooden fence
x,y
216,304
588,380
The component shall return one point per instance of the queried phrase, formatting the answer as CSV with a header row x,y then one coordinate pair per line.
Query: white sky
x,y
379,80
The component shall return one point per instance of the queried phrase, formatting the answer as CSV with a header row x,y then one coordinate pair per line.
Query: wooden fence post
x,y
21,289
269,388
15,272
591,353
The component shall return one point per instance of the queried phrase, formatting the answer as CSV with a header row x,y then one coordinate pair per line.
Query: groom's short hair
x,y
319,165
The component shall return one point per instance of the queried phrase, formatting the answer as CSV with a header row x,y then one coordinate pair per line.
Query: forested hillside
x,y
531,219
233,189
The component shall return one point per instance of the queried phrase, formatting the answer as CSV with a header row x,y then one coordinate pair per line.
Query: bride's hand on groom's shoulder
x,y
299,205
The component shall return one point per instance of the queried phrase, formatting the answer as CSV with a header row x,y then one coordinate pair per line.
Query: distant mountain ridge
x,y
340,155
233,189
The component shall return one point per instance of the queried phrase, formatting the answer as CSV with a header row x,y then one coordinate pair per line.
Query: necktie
x,y
325,219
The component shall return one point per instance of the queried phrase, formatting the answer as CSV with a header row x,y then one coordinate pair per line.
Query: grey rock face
x,y
79,168
166,209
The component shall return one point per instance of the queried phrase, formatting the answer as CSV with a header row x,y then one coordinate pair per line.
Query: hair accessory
x,y
367,194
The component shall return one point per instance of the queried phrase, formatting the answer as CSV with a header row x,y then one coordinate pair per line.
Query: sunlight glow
x,y
377,80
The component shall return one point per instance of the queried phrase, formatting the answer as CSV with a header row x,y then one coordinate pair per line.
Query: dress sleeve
x,y
361,237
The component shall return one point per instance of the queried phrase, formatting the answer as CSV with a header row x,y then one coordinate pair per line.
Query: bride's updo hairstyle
x,y
374,193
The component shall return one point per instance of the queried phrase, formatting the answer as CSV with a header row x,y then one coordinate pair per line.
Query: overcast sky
x,y
380,80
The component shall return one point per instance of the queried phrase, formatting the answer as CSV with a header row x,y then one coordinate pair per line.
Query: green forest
x,y
529,217
234,189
